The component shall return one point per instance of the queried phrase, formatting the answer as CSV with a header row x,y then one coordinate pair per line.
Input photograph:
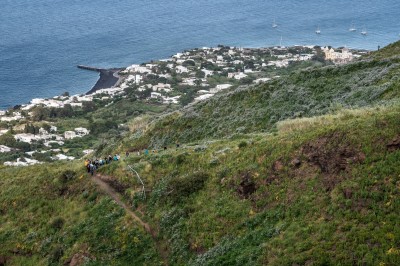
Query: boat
x,y
318,31
352,28
364,31
274,25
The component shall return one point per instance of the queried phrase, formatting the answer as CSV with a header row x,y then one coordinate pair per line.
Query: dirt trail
x,y
115,196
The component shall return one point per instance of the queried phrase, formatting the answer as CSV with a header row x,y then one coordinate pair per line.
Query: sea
x,y
42,41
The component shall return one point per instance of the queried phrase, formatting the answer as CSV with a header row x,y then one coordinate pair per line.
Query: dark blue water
x,y
42,41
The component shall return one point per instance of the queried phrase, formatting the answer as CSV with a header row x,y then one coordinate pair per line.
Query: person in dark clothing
x,y
92,168
88,166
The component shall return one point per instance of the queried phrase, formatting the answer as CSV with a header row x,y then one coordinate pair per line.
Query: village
x,y
185,78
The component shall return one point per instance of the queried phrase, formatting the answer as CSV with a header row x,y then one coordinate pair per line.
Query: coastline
x,y
108,78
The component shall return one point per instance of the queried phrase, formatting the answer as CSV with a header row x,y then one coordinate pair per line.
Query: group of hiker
x,y
92,165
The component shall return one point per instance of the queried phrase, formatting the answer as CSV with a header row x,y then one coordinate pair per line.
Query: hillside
x,y
301,170
304,93
321,191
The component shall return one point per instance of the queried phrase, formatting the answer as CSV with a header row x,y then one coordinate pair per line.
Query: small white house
x,y
181,69
25,137
81,131
43,131
69,135
4,149
240,76
155,95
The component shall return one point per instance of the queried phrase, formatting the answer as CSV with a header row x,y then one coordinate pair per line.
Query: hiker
x,y
115,157
110,158
86,162
118,157
88,166
92,167
146,152
127,153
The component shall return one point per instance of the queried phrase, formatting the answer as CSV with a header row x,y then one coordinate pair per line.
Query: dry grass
x,y
291,125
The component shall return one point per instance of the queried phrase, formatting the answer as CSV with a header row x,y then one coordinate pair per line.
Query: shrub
x,y
242,144
57,223
181,158
56,254
67,175
184,186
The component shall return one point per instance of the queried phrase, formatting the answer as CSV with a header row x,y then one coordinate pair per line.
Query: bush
x,y
67,175
180,159
56,254
57,223
242,144
183,186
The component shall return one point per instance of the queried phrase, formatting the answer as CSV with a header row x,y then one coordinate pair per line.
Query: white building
x,y
25,137
261,80
171,99
15,117
43,131
48,143
135,79
138,69
338,57
81,131
3,131
181,69
63,157
69,135
89,151
203,97
162,87
155,95
4,149
207,73
22,162
237,75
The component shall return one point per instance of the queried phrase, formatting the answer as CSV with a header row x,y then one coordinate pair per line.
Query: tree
x,y
144,94
188,63
65,94
67,111
200,74
88,106
40,113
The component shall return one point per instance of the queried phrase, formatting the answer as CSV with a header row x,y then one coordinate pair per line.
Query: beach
x,y
108,78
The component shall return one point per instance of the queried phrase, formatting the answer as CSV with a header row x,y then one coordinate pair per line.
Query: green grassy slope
x,y
50,217
246,187
304,93
324,193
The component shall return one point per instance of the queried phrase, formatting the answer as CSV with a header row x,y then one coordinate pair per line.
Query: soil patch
x,y
332,154
115,184
394,144
247,186
78,259
3,260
